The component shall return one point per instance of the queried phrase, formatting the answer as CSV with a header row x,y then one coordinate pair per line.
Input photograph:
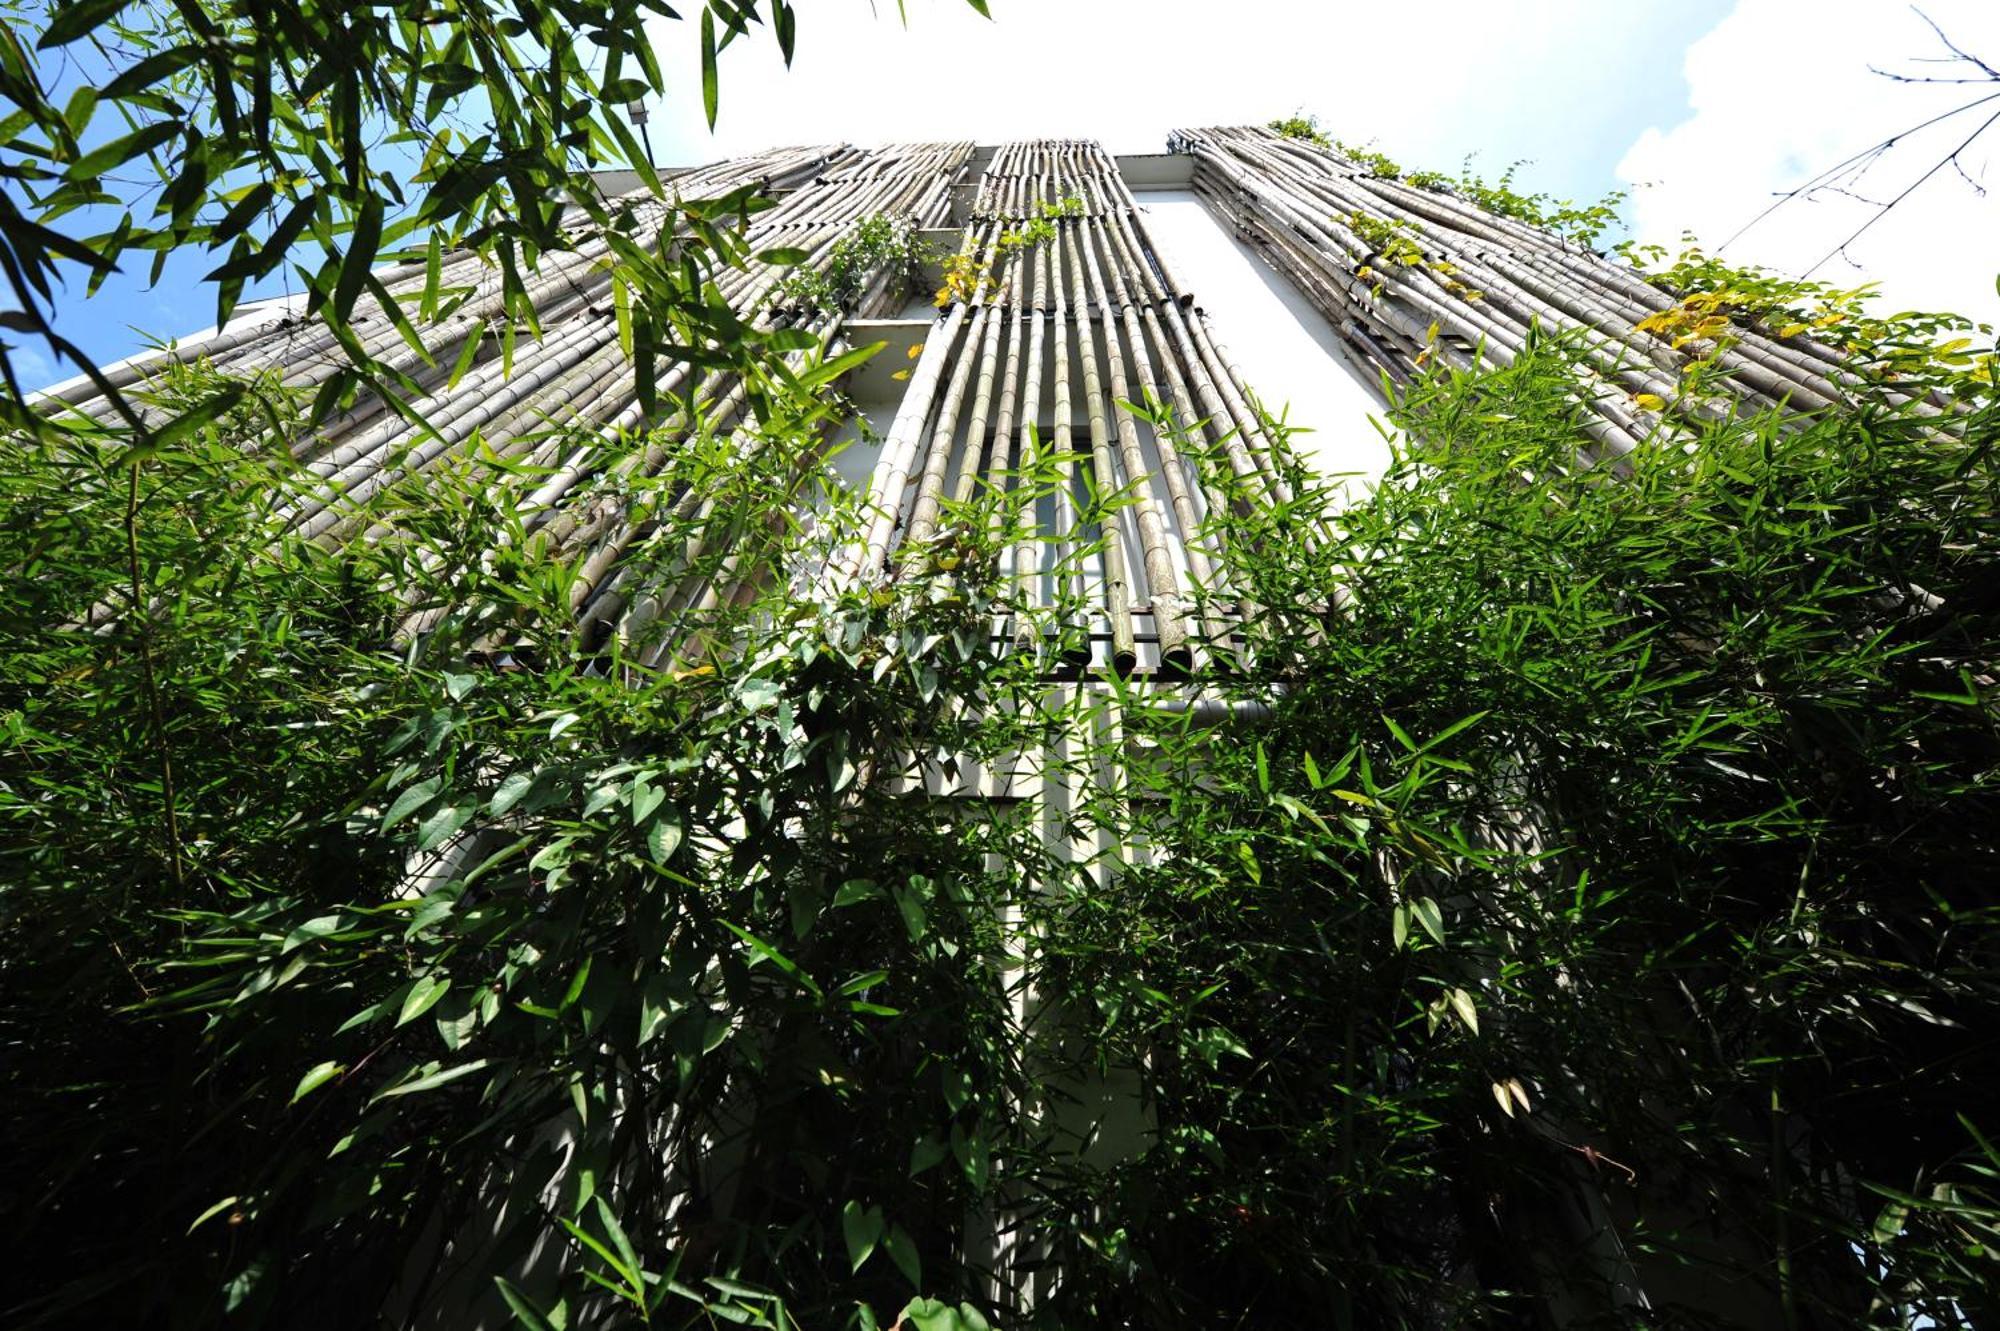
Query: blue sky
x,y
1711,104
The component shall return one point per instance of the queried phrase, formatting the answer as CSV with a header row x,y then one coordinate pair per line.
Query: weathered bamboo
x,y
1066,585
1027,550
1296,200
1117,588
1081,317
937,464
892,473
1162,587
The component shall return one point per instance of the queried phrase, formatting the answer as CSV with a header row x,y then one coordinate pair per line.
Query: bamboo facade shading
x,y
1061,317
1057,321
1409,275
540,405
1074,319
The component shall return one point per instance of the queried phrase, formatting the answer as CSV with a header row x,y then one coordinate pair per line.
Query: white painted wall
x,y
1286,349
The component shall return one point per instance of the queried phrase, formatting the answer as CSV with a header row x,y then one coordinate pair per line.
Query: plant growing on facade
x,y
877,247
1565,863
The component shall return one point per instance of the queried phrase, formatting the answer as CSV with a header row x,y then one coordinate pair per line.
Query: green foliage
x,y
875,246
490,938
327,139
1374,161
969,278
1612,838
1583,223
1391,242
1304,128
1915,351
1586,869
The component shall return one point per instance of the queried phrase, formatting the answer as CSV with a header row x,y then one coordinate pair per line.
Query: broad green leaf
x,y
646,799
1431,917
319,1075
441,826
902,1250
413,798
862,1229
423,995
1461,1003
663,837
509,792
927,1153
856,890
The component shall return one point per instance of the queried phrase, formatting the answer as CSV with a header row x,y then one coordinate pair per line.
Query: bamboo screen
x,y
1058,313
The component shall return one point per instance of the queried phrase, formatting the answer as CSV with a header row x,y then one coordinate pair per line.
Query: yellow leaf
x,y
900,375
1791,330
916,351
1649,401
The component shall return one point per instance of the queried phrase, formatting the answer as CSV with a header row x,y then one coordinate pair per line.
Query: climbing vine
x,y
877,247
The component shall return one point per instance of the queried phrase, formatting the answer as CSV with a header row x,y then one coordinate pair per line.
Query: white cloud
x,y
1781,91
1432,84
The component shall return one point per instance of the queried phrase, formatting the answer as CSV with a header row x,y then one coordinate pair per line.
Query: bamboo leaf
x,y
775,957
319,1075
362,244
525,1312
121,150
708,70
77,19
784,22
225,1204
468,353
432,1076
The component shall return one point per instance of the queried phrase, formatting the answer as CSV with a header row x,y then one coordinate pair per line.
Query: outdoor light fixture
x,y
635,111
